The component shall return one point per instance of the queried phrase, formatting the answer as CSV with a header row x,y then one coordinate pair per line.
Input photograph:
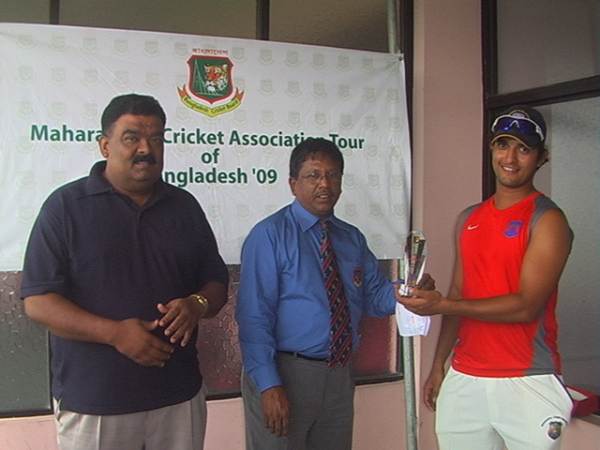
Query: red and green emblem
x,y
210,89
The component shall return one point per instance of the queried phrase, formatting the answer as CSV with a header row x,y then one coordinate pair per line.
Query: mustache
x,y
144,158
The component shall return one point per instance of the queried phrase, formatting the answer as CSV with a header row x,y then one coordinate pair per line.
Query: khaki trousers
x,y
177,427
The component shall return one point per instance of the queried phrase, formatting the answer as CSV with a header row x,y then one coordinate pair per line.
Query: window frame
x,y
494,102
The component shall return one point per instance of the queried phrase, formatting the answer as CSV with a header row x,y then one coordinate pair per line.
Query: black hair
x,y
312,146
141,105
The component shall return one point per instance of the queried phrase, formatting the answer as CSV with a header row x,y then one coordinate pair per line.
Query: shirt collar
x,y
98,184
307,220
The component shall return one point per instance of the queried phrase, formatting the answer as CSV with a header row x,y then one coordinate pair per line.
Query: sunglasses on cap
x,y
517,123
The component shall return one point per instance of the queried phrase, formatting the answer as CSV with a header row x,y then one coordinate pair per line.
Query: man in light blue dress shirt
x,y
292,398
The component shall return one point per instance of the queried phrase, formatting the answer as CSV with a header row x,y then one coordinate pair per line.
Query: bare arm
x,y
543,263
447,337
132,337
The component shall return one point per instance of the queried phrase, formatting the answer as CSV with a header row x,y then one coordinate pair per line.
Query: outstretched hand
x,y
423,303
427,283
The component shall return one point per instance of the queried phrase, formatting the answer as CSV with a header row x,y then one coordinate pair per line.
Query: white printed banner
x,y
235,109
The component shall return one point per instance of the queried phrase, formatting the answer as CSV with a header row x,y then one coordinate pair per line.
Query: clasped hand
x,y
134,338
180,317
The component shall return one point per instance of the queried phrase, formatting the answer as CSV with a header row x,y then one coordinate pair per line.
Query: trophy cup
x,y
412,264
410,271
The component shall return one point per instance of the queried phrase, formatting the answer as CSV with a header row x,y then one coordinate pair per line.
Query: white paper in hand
x,y
411,324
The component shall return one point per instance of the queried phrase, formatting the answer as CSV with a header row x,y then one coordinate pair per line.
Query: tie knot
x,y
325,243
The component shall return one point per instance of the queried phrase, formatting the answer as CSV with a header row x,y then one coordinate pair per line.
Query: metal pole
x,y
407,342
409,393
263,19
392,25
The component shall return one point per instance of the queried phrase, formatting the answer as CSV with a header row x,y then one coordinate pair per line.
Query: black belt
x,y
301,356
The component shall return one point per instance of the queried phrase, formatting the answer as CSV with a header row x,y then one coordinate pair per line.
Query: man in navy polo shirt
x,y
120,267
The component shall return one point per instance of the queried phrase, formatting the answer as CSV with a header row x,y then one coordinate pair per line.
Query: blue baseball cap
x,y
522,123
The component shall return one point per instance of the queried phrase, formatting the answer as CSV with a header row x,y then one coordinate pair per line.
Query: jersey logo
x,y
513,228
472,227
555,425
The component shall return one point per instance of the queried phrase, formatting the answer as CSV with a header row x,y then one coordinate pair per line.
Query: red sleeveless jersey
x,y
492,244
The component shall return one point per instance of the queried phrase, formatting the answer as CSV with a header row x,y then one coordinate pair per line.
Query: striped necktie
x,y
340,346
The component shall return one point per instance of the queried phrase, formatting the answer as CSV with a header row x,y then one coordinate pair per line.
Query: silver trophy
x,y
412,264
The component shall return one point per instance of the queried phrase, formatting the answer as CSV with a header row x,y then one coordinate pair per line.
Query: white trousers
x,y
521,413
177,427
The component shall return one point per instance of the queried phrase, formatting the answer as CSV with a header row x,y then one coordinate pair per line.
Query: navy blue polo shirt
x,y
116,259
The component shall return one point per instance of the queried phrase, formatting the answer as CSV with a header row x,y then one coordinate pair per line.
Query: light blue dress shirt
x,y
282,304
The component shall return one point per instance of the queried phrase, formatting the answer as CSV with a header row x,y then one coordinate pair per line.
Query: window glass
x,y
573,181
356,24
24,383
229,18
543,42
30,11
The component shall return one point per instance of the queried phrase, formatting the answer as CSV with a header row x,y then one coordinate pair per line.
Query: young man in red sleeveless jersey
x,y
503,386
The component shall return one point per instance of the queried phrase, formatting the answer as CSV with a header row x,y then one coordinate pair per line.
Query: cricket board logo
x,y
555,425
209,89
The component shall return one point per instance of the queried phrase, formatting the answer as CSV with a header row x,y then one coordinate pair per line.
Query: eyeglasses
x,y
315,176
521,124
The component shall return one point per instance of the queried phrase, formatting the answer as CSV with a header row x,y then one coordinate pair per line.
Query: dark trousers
x,y
321,408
